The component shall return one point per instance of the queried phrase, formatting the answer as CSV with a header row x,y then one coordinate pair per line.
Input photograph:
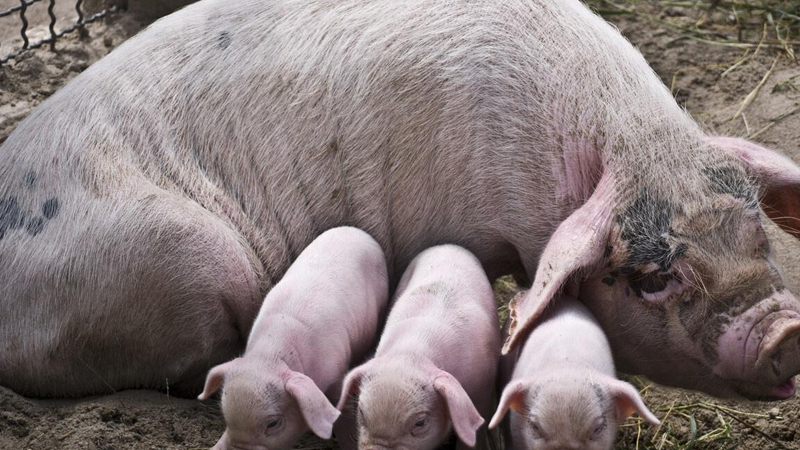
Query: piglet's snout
x,y
380,445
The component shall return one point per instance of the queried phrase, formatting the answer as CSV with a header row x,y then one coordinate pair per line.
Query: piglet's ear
x,y
351,384
577,244
466,419
215,378
513,398
316,409
778,177
627,400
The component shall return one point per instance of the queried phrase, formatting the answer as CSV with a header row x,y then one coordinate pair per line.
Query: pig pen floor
x,y
156,420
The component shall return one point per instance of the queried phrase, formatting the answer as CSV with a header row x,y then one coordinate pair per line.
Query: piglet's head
x,y
678,271
267,406
568,410
402,404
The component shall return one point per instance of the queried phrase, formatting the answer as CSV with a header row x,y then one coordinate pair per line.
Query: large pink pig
x,y
319,318
180,177
563,393
436,361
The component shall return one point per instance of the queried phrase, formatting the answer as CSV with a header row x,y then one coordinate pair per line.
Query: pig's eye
x,y
420,425
599,427
657,287
273,424
536,432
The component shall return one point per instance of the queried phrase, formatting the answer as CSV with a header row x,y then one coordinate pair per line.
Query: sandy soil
x,y
155,420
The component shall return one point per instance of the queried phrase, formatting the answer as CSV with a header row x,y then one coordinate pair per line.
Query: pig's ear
x,y
215,378
778,177
513,398
627,400
466,419
578,244
317,410
351,384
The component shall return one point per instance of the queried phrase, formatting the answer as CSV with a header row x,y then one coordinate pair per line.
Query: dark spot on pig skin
x,y
30,179
609,281
34,226
50,208
608,251
333,147
11,215
598,392
224,40
645,224
732,181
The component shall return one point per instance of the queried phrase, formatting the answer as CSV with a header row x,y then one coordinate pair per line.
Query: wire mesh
x,y
79,24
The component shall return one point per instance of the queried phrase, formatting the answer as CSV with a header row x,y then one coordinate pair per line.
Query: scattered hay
x,y
753,26
747,25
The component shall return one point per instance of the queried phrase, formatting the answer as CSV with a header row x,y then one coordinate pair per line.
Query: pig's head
x,y
408,404
568,410
267,406
679,273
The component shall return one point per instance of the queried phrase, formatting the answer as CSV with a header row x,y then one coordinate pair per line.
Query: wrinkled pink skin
x,y
319,319
762,342
436,358
194,163
559,390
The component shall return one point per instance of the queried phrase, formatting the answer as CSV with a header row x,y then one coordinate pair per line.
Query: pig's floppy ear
x,y
627,400
317,410
351,384
778,176
513,398
466,419
215,378
577,244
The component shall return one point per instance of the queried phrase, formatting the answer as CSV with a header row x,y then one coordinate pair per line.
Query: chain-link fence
x,y
57,27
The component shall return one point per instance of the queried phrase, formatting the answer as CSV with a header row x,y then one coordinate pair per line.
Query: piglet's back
x,y
567,335
341,279
445,300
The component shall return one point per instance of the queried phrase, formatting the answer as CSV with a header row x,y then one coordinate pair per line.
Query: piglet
x,y
436,361
322,315
562,391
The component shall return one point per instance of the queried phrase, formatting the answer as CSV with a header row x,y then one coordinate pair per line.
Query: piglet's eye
x,y
599,427
535,430
273,423
420,425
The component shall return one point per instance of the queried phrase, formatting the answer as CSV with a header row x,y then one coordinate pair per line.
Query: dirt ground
x,y
156,420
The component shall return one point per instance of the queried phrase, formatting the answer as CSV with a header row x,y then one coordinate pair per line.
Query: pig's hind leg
x,y
114,292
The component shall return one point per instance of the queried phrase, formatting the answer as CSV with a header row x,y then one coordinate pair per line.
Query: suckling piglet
x,y
563,393
435,365
322,316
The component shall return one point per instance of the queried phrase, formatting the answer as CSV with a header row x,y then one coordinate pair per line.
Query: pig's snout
x,y
760,349
780,354
376,446
226,443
